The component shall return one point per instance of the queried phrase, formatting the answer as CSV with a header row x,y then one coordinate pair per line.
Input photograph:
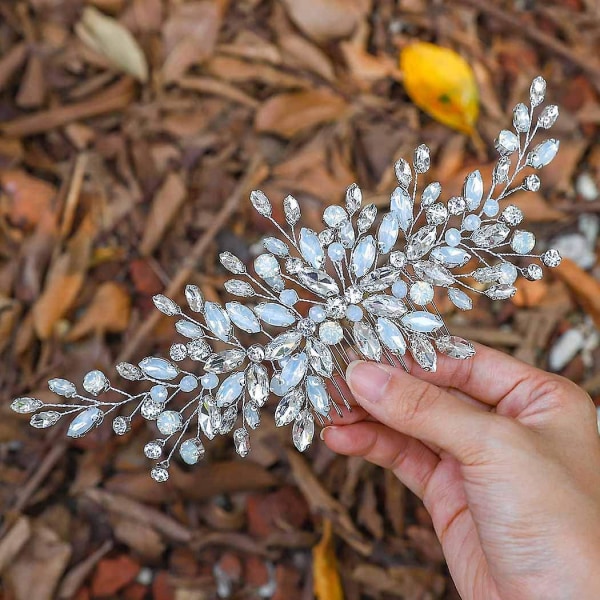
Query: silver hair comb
x,y
369,286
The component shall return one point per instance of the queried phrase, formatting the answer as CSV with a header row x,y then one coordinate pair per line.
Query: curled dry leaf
x,y
440,82
326,578
324,20
114,41
107,313
536,208
585,287
288,114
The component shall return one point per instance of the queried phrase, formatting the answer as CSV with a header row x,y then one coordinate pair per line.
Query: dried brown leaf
x,y
535,207
13,541
114,41
585,287
288,114
326,578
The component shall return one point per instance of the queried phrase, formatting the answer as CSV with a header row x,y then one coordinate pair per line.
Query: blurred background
x,y
131,132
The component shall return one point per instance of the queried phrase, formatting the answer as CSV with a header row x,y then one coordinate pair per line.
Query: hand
x,y
506,459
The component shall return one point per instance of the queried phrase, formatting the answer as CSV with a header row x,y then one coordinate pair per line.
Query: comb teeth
x,y
368,287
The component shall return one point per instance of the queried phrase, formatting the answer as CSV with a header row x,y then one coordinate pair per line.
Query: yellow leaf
x,y
441,82
326,578
114,41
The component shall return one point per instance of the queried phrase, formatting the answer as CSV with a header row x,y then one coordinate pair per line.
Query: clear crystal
x,y
326,237
191,451
433,273
228,420
430,194
522,242
506,142
537,91
150,409
460,299
402,205
421,159
551,258
121,425
421,293
363,256
303,431
232,263
129,371
198,349
366,340
318,282
178,352
159,474
521,119
257,383
455,347
548,116
239,288
241,440
335,308
166,305
382,305
398,259
158,368
457,205
242,317
403,172
261,203
379,279
306,327
353,198
288,408
501,291
224,361
533,272
543,154
230,390
437,214
205,420
319,357
421,242
283,345
62,387
217,320
423,352
512,215
490,236
346,234
485,274
26,405
531,183
331,332
334,215
501,170
45,419
422,321
291,210
366,218
251,415
194,298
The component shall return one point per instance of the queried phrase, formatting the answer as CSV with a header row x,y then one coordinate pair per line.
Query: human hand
x,y
506,459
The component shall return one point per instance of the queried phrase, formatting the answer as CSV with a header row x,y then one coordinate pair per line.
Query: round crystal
x,y
522,242
512,215
398,259
188,383
121,425
95,382
169,422
333,215
293,265
306,327
354,313
471,222
150,409
353,294
491,207
209,381
399,289
256,353
421,293
436,214
178,352
153,450
336,252
317,314
331,332
452,237
457,205
159,474
326,236
507,273
531,183
288,297
534,272
336,307
551,258
158,393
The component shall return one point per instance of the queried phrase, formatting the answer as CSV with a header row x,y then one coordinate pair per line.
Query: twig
x,y
512,22
193,258
73,195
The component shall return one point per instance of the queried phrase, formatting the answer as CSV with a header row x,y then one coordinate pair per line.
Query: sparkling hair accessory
x,y
368,284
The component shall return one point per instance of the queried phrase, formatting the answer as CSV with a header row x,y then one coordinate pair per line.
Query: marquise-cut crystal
x,y
166,305
421,160
45,419
433,273
430,194
455,347
232,263
501,291
242,317
191,451
194,298
423,352
205,420
303,431
363,256
387,233
283,345
353,198
239,288
319,357
379,279
95,382
217,320
257,384
402,205
460,299
311,249
366,218
241,439
291,210
521,119
317,394
346,234
382,305
261,203
318,282
548,116
422,321
403,172
390,334
26,405
62,387
230,390
450,257
473,190
366,340
129,371
224,361
158,368
288,408
291,375
537,91
85,421
421,242
189,329
251,415
276,246
489,236
543,154
275,314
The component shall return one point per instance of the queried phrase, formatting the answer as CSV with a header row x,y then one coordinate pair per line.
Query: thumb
x,y
420,409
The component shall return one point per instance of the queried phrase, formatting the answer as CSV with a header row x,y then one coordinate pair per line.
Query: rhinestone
x,y
85,421
303,431
501,169
293,265
334,215
159,474
311,248
366,218
453,237
209,381
521,120
537,91
318,282
491,207
26,405
457,205
353,198
336,307
423,352
261,203
534,272
436,214
336,252
353,294
194,297
169,422
178,352
326,237
548,116
166,305
512,215
551,258
500,292
531,183
239,288
331,332
251,415
306,327
366,340
151,409
317,314
95,382
288,297
153,450
291,210
158,368
403,172
507,142
421,293
188,383
256,353
421,159
198,349
354,313
522,242
399,289
121,425
455,347
398,259
241,440
471,223
45,419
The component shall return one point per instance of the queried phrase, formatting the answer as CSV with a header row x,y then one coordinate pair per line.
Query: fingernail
x,y
327,428
367,380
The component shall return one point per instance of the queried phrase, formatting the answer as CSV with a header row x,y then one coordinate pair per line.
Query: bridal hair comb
x,y
367,284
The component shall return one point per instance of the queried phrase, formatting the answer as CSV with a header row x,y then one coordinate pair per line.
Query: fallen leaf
x,y
324,20
585,287
64,281
107,313
530,293
326,578
13,541
288,114
441,82
402,581
535,207
113,574
112,40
